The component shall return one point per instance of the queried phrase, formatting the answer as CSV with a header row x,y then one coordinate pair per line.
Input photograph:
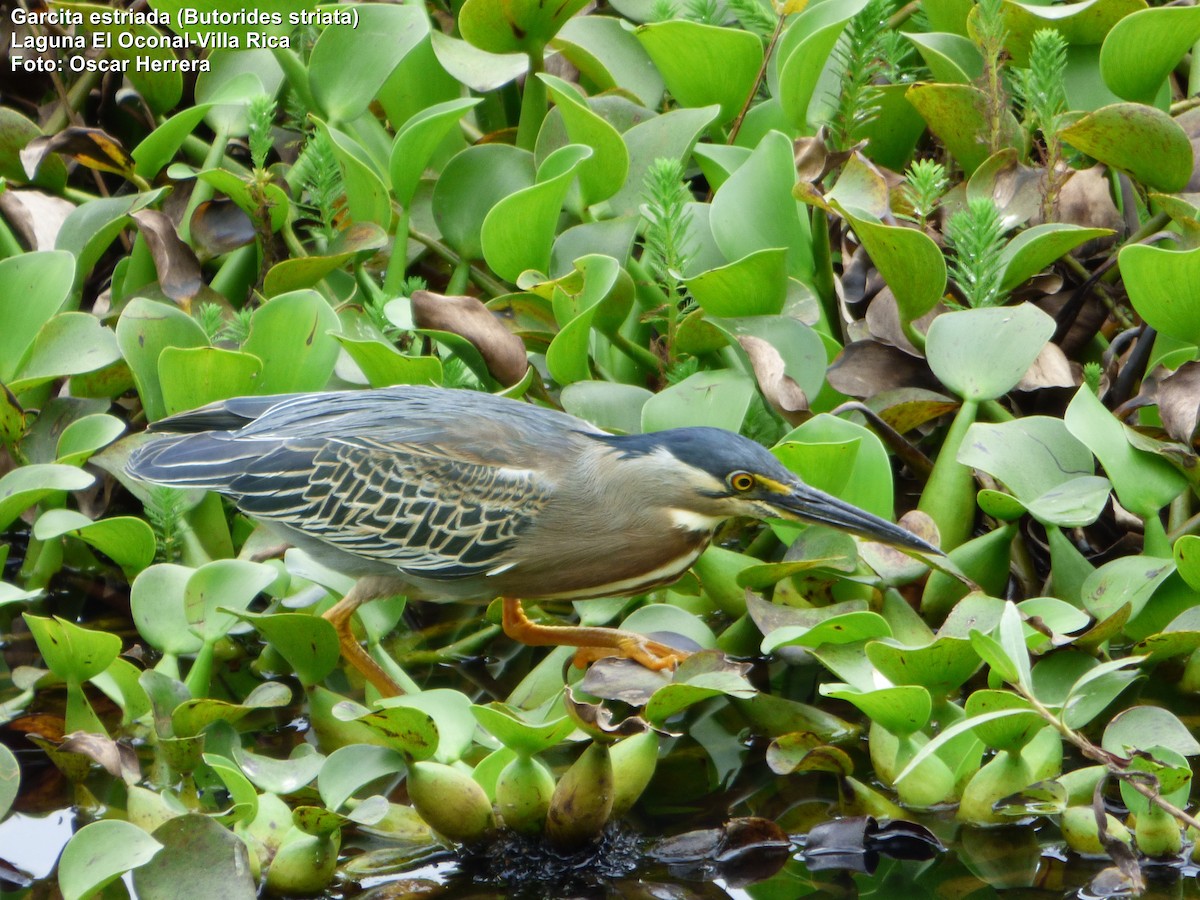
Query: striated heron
x,y
460,495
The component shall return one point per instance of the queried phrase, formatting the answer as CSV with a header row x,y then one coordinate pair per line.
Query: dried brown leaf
x,y
93,147
36,216
1179,401
780,389
177,266
502,350
1050,369
866,368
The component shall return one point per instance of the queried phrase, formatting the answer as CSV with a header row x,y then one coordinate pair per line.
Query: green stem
x,y
823,278
533,101
490,285
948,497
1155,541
467,646
296,74
200,676
634,351
398,264
460,277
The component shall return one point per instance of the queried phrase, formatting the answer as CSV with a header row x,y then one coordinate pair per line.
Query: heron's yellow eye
x,y
741,481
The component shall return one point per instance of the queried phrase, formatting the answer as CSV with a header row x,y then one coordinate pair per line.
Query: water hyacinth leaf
x,y
704,64
291,336
16,132
799,348
29,485
1010,733
348,769
1084,24
472,183
382,36
156,602
201,858
1143,727
243,798
1071,505
609,56
10,780
602,174
522,26
1037,247
33,287
800,71
383,365
1141,140
611,406
957,114
279,776
940,666
194,376
367,197
1000,505
708,676
233,80
358,240
1030,455
126,540
981,354
73,653
755,285
901,710
518,233
1097,688
1187,559
847,628
71,343
944,737
85,436
719,398
909,261
515,732
1059,616
145,329
406,729
450,712
417,141
672,135
803,752
159,147
1164,288
309,643
100,853
94,225
1132,73
1144,482
217,588
191,717
952,58
754,209
843,458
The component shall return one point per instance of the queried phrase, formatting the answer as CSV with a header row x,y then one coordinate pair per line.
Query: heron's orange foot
x,y
650,654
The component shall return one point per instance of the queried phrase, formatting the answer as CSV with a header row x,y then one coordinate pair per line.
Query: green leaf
x,y
755,285
1037,247
518,232
450,711
406,729
291,335
942,738
71,343
218,590
1164,288
718,398
33,287
1143,727
1144,483
350,768
900,710
348,66
1141,140
1132,73
941,666
159,147
952,58
847,628
472,183
156,600
126,540
309,643
85,436
604,172
609,56
195,376
367,197
1096,689
512,729
957,114
516,26
1030,455
29,485
144,330
100,853
1011,733
72,653
10,780
754,209
201,858
704,64
909,261
981,354
417,141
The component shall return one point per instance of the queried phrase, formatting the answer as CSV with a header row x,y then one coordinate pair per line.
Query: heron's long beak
x,y
810,505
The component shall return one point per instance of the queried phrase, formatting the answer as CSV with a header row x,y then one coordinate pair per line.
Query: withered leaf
x,y
1179,401
866,368
177,266
502,351
780,389
93,147
220,226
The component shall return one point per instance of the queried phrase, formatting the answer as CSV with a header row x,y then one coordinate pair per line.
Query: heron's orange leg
x,y
339,614
593,642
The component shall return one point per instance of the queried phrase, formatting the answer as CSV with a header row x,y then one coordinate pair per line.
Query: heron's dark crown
x,y
711,450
